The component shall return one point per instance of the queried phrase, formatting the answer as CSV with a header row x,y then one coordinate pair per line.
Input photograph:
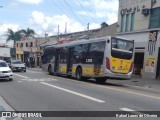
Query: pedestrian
x,y
28,62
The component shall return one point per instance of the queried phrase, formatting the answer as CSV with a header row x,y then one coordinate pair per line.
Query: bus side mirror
x,y
108,41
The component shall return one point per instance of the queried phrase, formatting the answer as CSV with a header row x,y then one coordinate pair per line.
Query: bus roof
x,y
77,42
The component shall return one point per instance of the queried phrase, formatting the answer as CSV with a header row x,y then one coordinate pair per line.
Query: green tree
x,y
28,33
15,36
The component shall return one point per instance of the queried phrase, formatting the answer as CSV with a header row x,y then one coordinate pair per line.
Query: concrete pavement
x,y
139,82
135,81
29,92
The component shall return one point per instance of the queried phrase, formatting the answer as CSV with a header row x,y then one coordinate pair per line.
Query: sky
x,y
44,16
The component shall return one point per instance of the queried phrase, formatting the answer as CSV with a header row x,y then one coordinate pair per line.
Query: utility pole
x,y
58,34
88,29
65,27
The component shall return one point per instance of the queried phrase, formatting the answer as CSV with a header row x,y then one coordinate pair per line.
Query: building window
x,y
155,18
122,23
26,44
127,23
21,44
31,44
132,21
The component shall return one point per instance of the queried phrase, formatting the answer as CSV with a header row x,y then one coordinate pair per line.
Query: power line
x,y
73,11
86,11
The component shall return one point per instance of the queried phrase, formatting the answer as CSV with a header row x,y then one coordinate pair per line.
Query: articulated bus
x,y
100,58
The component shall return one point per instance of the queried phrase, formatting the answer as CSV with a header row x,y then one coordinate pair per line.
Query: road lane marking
x,y
75,93
126,109
34,72
132,92
20,75
127,91
122,90
39,79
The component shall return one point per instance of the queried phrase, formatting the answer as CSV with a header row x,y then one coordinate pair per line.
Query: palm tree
x,y
28,33
15,36
18,35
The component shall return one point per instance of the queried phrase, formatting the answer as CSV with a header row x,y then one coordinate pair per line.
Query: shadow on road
x,y
92,81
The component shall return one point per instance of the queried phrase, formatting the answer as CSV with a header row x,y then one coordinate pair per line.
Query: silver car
x,y
18,65
5,71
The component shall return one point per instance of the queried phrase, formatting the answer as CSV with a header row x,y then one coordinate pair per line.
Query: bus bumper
x,y
118,76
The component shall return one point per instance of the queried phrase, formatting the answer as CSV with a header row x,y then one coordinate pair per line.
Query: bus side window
x,y
96,52
85,48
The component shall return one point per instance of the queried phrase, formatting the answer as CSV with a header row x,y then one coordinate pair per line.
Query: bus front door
x,y
56,65
98,61
70,61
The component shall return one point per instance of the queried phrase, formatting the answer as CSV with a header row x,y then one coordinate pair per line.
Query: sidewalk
x,y
138,81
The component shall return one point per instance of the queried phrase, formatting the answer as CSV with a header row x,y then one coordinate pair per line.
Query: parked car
x,y
5,71
17,65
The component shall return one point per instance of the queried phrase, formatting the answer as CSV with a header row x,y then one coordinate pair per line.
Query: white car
x,y
5,71
18,65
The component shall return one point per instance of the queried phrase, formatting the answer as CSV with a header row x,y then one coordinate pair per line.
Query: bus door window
x,y
63,52
71,59
56,60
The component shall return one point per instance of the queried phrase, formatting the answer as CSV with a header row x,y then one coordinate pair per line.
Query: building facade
x,y
29,49
5,53
139,20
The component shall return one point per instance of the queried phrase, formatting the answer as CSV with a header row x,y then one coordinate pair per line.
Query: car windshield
x,y
17,62
3,64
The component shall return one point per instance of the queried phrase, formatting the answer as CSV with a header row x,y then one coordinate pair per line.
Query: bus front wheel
x,y
101,80
79,73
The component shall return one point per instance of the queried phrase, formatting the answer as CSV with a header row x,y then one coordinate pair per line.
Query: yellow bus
x,y
100,58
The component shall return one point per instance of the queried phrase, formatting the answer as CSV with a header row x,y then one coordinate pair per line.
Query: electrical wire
x,y
86,11
65,1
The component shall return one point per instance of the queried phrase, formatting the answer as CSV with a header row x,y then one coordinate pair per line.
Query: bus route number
x,y
88,60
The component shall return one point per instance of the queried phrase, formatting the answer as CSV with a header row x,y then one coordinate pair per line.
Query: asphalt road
x,y
37,91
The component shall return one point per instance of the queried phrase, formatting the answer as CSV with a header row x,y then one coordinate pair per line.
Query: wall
x,y
5,52
135,6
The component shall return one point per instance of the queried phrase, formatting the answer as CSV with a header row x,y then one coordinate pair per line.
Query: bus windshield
x,y
122,48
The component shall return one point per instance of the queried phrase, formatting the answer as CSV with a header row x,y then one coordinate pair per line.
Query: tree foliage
x,y
20,34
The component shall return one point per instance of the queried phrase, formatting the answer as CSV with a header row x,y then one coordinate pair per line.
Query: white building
x,y
140,20
5,53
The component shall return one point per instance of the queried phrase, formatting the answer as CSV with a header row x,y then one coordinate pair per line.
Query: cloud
x,y
37,17
4,27
50,24
111,18
30,1
102,9
3,32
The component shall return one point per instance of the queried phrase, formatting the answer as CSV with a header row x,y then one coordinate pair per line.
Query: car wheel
x,y
11,79
24,70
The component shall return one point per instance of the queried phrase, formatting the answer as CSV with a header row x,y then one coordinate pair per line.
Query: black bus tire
x,y
79,73
101,80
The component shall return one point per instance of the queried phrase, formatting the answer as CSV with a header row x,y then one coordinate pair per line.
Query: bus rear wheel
x,y
101,80
79,74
